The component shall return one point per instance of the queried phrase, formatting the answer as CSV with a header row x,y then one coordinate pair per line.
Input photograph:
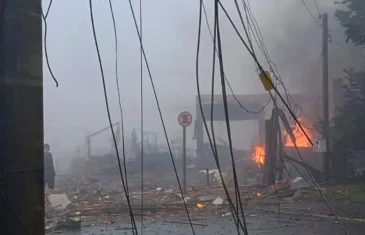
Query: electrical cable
x,y
119,100
160,114
256,32
213,76
225,77
7,203
319,12
48,9
263,72
311,14
318,188
234,212
109,115
142,117
291,112
225,103
45,46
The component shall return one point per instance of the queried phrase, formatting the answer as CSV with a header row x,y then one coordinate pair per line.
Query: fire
x,y
300,138
200,205
259,155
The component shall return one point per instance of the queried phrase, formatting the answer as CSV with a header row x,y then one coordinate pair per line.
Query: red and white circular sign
x,y
185,118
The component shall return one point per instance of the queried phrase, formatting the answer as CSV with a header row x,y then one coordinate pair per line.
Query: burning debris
x,y
300,139
259,155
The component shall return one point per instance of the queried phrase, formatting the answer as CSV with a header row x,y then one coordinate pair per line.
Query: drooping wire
x,y
7,203
225,77
234,212
109,115
225,103
263,71
48,9
317,186
160,114
214,38
142,117
311,14
119,100
45,44
319,12
295,118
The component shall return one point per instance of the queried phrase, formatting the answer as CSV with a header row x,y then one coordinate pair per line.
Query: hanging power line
x,y
120,102
291,112
160,114
225,103
311,14
225,77
234,212
109,115
142,117
45,43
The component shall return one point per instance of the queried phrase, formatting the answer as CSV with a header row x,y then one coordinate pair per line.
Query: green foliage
x,y
352,18
348,127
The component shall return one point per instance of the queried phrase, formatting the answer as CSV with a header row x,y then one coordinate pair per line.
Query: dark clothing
x,y
49,172
49,181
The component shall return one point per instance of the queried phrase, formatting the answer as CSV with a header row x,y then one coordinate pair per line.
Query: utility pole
x,y
326,135
21,123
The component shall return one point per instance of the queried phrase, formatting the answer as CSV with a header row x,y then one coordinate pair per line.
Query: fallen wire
x,y
45,47
291,112
234,212
109,115
225,77
160,114
119,99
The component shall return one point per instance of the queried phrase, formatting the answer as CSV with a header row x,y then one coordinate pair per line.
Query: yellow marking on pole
x,y
266,81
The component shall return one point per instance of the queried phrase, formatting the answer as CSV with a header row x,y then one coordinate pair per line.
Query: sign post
x,y
184,119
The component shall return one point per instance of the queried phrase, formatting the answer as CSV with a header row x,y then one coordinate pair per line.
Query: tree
x,y
352,18
348,126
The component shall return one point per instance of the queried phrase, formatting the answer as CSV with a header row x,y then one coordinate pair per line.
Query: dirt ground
x,y
102,209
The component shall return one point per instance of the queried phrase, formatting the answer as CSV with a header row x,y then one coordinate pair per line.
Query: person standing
x,y
49,171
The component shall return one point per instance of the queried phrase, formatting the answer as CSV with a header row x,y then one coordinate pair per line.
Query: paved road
x,y
257,225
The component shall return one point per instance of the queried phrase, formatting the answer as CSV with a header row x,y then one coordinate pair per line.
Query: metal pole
x,y
21,125
184,158
326,134
208,176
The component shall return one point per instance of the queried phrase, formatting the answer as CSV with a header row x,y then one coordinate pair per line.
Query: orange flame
x,y
259,155
200,205
300,138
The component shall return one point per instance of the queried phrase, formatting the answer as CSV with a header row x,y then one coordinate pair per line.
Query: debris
x,y
182,222
59,201
206,198
298,195
227,214
190,166
218,201
354,220
70,223
298,183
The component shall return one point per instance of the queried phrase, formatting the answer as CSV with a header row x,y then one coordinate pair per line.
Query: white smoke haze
x,y
77,107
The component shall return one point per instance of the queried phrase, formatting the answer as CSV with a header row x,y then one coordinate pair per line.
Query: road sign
x,y
185,119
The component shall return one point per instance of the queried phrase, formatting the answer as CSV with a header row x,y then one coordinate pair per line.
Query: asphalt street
x,y
257,224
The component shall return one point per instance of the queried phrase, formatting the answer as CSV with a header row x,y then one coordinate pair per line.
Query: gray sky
x,y
77,107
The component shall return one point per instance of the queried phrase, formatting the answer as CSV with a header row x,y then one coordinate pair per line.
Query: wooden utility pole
x,y
325,105
21,123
